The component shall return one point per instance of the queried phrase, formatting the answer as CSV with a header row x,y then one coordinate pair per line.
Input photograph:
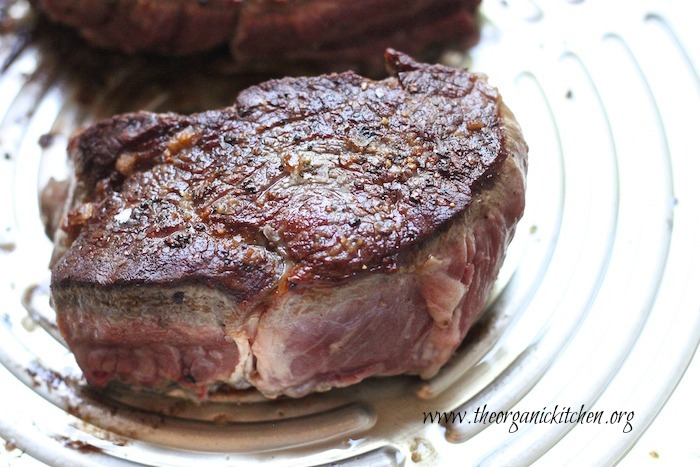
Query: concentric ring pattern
x,y
598,304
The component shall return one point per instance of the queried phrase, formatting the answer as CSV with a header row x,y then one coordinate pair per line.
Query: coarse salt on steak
x,y
320,231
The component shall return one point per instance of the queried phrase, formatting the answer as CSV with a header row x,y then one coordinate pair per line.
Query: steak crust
x,y
284,241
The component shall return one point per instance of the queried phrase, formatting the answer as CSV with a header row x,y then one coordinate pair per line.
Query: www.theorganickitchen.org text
x,y
515,418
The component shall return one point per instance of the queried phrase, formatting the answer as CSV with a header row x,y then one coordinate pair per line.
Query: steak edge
x,y
320,231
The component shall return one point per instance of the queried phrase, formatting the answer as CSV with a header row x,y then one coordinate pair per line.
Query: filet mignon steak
x,y
272,33
320,231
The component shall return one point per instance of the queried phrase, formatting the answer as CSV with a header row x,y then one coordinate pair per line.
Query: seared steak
x,y
272,33
320,231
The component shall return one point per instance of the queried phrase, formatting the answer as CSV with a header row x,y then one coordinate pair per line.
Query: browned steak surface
x,y
263,33
302,190
337,174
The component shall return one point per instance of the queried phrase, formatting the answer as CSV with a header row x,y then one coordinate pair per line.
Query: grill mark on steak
x,y
277,212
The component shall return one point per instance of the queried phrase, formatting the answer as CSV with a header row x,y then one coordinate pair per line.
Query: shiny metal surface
x,y
598,303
